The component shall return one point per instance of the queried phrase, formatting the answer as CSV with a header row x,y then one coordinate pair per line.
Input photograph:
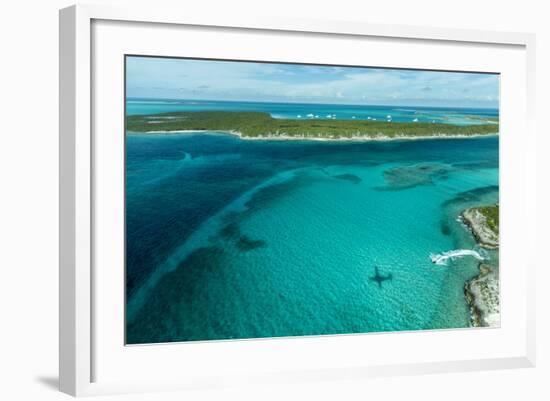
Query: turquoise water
x,y
456,116
229,238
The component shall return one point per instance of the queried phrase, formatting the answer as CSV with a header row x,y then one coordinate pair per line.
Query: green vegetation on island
x,y
491,216
482,291
484,223
262,125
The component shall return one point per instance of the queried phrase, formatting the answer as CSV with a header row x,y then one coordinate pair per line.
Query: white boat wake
x,y
442,258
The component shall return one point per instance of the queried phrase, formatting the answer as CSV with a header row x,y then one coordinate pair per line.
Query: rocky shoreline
x,y
482,292
477,220
482,295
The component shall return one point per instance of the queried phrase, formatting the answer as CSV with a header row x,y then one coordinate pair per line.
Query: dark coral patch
x,y
349,177
246,244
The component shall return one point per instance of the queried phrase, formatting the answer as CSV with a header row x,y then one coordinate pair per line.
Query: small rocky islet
x,y
482,292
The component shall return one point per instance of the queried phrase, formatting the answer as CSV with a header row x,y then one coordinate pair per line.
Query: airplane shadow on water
x,y
380,278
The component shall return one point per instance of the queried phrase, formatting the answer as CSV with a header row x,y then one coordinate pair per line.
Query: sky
x,y
170,78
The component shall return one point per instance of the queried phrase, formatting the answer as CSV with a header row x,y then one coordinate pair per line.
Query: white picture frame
x,y
79,158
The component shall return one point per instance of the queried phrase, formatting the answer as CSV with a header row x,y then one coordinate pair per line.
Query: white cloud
x,y
284,82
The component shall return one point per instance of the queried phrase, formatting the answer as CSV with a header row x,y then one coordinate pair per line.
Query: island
x,y
261,125
482,295
482,291
483,222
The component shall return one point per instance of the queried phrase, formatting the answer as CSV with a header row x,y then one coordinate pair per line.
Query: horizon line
x,y
301,102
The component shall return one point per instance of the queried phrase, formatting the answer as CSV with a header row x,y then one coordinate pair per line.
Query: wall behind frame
x,y
29,216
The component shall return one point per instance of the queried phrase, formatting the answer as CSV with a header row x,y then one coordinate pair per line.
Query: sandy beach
x,y
285,137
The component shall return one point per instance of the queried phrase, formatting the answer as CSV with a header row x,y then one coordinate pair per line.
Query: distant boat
x,y
415,120
299,116
352,116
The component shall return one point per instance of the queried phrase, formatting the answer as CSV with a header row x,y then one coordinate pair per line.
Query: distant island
x,y
260,125
482,291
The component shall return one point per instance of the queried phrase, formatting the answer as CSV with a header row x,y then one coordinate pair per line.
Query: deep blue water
x,y
230,238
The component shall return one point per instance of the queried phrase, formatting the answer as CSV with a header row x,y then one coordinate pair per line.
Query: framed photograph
x,y
268,201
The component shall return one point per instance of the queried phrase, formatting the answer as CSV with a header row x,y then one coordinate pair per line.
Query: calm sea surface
x,y
462,116
230,238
